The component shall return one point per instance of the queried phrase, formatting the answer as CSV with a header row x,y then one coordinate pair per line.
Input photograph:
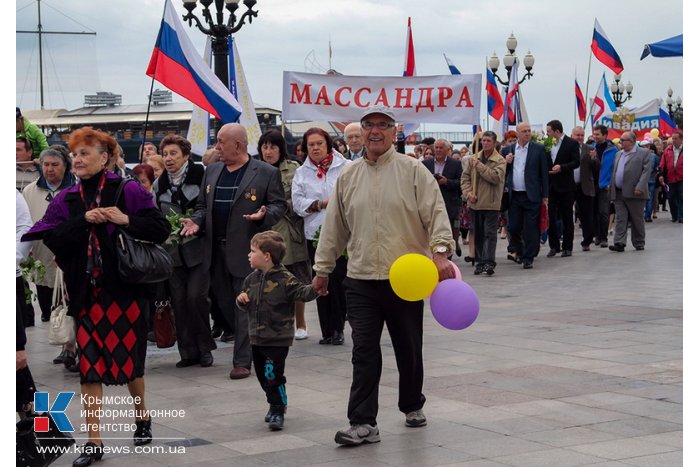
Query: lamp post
x,y
219,30
675,108
618,90
509,60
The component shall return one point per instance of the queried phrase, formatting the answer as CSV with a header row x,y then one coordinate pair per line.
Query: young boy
x,y
268,297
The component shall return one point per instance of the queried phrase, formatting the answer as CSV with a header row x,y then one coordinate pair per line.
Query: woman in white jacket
x,y
311,189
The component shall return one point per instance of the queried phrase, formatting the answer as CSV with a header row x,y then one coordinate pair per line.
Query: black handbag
x,y
140,261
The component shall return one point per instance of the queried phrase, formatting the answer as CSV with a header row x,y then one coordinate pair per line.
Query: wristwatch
x,y
440,249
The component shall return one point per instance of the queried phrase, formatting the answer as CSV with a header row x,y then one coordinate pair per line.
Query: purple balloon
x,y
454,304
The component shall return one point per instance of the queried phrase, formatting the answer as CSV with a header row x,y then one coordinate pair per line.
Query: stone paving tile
x,y
622,449
557,457
665,459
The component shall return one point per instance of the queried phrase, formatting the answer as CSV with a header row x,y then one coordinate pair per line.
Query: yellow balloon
x,y
616,140
654,132
413,277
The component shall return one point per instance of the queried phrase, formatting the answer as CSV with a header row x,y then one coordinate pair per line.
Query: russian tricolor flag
x,y
580,102
494,101
453,69
603,103
176,64
604,51
666,124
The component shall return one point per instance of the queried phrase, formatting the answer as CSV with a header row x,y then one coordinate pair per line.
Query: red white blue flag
x,y
603,49
580,102
453,69
409,68
494,102
666,124
176,64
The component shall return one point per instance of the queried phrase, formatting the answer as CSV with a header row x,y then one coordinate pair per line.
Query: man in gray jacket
x,y
629,191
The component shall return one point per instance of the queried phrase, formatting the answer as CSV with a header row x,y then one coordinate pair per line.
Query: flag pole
x,y
588,78
575,106
150,96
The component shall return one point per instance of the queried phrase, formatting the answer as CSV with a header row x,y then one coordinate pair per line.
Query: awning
x,y
671,47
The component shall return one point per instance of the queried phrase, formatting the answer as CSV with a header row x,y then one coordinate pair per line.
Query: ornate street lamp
x,y
219,30
675,108
509,60
618,90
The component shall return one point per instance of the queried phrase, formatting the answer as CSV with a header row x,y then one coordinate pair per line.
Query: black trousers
x,y
45,296
332,309
370,305
189,295
675,200
485,224
217,316
524,226
561,206
269,368
603,214
586,213
227,287
27,308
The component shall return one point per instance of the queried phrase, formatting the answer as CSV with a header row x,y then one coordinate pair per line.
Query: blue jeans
x,y
650,201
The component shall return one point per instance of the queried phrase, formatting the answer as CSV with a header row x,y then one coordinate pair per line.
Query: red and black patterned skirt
x,y
111,337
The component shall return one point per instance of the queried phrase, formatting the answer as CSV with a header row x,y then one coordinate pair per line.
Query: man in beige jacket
x,y
383,206
482,184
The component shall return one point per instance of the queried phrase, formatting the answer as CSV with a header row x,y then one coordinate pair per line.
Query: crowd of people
x,y
253,239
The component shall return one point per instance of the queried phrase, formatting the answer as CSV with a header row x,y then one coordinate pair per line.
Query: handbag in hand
x,y
61,326
164,325
544,218
139,261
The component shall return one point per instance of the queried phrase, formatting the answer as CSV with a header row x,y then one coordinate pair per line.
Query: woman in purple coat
x,y
79,227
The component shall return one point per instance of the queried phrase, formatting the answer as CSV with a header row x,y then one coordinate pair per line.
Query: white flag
x,y
198,132
239,87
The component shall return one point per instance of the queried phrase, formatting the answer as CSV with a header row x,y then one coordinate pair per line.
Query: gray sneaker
x,y
416,419
358,434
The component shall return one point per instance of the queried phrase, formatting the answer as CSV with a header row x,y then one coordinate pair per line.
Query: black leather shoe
x,y
151,336
639,248
489,270
617,247
60,358
325,341
227,337
478,269
216,332
91,453
515,258
45,318
185,362
206,359
143,434
268,415
552,252
565,253
338,338
458,251
69,359
527,264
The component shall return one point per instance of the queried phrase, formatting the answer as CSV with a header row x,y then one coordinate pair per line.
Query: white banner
x,y
423,99
198,131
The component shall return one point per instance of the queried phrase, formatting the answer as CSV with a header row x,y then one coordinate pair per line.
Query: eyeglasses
x,y
625,139
379,125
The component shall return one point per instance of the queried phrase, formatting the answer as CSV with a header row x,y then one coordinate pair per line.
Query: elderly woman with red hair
x,y
80,228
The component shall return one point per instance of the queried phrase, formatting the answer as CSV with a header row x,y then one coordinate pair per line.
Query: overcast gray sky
x,y
368,38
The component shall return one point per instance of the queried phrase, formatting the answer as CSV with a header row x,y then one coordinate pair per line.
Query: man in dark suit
x,y
563,159
240,196
527,180
629,189
448,173
586,186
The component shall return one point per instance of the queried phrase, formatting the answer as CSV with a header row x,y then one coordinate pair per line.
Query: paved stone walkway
x,y
576,362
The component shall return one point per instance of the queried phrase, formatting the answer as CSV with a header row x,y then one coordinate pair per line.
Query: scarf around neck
x,y
323,165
